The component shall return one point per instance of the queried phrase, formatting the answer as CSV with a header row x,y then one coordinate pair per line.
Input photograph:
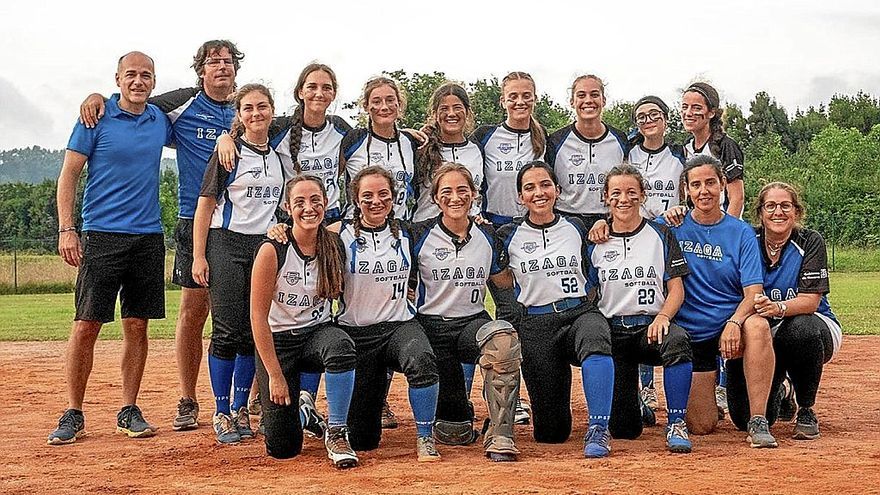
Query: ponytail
x,y
296,126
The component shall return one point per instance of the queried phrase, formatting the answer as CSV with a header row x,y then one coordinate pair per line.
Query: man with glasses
x,y
198,116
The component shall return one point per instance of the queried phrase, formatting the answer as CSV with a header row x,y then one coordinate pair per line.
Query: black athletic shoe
x,y
807,426
787,405
131,422
71,426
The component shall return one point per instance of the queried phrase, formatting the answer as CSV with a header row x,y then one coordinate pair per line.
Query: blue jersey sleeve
x,y
750,269
592,271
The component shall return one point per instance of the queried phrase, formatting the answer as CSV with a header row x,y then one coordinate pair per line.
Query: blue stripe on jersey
x,y
663,239
495,268
277,138
486,138
592,272
621,140
348,153
421,300
227,209
353,247
558,147
420,242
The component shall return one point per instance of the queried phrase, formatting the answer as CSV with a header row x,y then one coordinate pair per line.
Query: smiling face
x,y
383,105
454,195
538,193
218,73
651,121
255,112
136,79
624,196
695,112
518,100
704,188
451,117
317,92
779,212
306,204
375,199
588,99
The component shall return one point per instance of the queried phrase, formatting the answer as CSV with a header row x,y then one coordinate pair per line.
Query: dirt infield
x,y
845,460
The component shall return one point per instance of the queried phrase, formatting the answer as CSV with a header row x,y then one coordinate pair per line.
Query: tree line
x,y
830,152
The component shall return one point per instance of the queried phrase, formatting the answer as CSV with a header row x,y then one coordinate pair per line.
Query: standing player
x,y
382,143
375,312
198,116
560,327
506,147
638,273
235,210
292,289
718,312
454,258
122,250
806,333
583,152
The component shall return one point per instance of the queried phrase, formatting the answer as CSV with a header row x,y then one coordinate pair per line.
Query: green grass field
x,y
853,298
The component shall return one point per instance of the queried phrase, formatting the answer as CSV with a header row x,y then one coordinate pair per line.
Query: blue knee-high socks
x,y
597,372
677,386
468,369
646,375
220,371
242,380
309,382
339,389
423,401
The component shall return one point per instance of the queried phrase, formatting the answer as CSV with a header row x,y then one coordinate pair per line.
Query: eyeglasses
x,y
652,116
214,62
770,206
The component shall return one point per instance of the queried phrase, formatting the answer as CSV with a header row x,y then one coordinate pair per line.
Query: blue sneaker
x,y
71,426
224,428
597,442
677,437
130,421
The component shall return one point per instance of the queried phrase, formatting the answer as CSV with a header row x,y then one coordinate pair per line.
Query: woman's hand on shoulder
x,y
419,135
278,232
598,232
675,215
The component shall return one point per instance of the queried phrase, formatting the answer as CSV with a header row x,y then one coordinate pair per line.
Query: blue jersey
x,y
197,121
723,258
802,268
124,154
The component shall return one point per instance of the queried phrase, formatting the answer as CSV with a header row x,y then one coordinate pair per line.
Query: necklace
x,y
773,248
256,145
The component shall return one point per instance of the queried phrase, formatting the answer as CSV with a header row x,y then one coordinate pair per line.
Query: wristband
x,y
62,230
735,323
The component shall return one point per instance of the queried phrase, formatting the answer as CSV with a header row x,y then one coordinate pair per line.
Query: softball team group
x,y
602,251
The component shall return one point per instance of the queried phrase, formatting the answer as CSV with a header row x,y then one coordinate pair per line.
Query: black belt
x,y
629,321
556,306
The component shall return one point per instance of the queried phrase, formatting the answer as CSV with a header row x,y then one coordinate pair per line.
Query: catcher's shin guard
x,y
500,359
454,432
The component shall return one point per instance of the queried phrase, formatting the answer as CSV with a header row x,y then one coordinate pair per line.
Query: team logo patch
x,y
577,159
292,278
376,157
505,148
441,253
256,172
361,244
610,255
530,247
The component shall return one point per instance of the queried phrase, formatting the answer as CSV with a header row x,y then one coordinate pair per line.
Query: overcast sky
x,y
56,52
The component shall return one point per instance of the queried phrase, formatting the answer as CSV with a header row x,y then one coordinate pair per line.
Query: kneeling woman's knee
x,y
420,367
756,331
340,354
676,346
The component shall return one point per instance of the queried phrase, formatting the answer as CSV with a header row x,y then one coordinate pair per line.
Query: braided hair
x,y
393,224
296,123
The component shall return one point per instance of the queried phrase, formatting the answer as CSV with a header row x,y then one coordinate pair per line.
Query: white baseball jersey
x,y
248,196
296,306
547,261
581,164
505,151
467,154
318,152
630,270
376,274
661,171
363,148
451,274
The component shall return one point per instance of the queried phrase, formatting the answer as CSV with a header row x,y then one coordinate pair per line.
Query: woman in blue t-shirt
x,y
718,309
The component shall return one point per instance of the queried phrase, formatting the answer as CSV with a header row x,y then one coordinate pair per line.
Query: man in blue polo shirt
x,y
122,249
199,115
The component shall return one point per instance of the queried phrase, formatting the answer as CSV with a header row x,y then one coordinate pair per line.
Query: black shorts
x,y
131,265
706,354
183,255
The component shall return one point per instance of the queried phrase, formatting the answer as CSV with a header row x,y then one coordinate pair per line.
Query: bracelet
x,y
66,229
735,323
782,307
